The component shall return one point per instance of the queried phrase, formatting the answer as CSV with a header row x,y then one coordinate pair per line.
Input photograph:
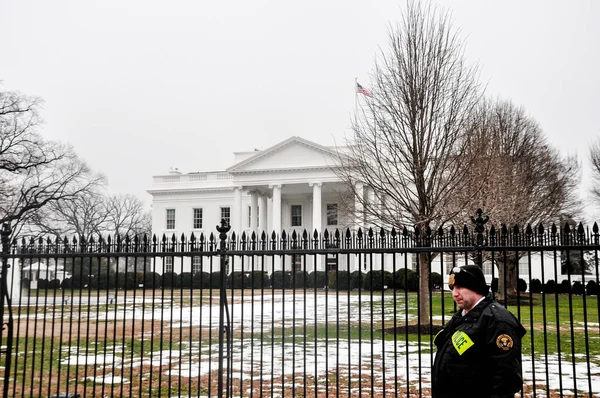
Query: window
x,y
332,214
487,268
197,218
250,216
168,264
226,215
196,264
296,215
170,218
523,269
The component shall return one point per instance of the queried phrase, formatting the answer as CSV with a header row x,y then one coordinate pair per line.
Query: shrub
x,y
170,280
201,280
341,280
550,286
564,287
215,280
152,280
406,279
591,288
42,284
126,280
376,280
356,279
578,288
535,286
435,280
317,279
54,284
238,280
300,279
185,280
281,279
258,279
521,285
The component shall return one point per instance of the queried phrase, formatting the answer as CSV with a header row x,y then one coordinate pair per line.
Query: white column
x,y
276,207
316,208
253,210
262,213
371,205
358,205
276,220
236,216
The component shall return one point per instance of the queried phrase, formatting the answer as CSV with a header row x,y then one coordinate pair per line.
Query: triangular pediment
x,y
293,153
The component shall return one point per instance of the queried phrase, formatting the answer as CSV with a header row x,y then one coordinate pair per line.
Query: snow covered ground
x,y
281,359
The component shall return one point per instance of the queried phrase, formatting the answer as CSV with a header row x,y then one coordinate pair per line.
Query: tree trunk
x,y
424,289
507,280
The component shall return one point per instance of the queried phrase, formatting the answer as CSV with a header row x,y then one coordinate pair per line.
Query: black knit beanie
x,y
470,277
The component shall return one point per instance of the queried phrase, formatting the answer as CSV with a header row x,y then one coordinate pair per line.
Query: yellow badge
x,y
461,341
504,342
451,280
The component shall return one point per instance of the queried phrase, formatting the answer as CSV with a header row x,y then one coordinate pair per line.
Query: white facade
x,y
290,186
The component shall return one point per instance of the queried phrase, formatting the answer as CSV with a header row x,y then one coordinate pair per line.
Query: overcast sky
x,y
141,86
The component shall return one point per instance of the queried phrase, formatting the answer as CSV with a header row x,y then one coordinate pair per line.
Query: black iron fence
x,y
344,313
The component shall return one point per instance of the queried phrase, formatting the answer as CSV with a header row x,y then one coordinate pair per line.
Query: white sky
x,y
140,86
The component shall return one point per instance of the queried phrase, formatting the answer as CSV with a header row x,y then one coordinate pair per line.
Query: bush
x,y
591,288
356,279
215,280
185,280
281,279
550,286
42,284
578,288
535,286
564,287
152,280
521,285
201,280
317,279
406,279
300,279
54,284
238,280
25,283
376,280
258,279
126,280
495,285
435,280
170,280
341,280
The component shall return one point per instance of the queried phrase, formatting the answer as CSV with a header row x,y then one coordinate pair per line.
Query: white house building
x,y
289,186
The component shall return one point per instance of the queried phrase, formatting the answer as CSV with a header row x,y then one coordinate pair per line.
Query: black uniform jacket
x,y
479,354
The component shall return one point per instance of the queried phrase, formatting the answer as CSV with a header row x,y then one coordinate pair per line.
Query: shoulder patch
x,y
504,342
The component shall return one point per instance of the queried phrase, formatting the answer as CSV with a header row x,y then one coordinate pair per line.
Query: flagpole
x,y
355,94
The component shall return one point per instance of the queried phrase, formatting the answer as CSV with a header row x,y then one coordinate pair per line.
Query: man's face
x,y
465,298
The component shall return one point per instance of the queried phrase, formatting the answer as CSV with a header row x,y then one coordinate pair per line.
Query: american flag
x,y
360,89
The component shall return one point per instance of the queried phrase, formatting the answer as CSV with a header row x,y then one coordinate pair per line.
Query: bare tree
x,y
595,160
519,179
34,172
83,216
408,140
127,215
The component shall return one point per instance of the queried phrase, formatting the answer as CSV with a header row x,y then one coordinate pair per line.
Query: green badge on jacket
x,y
461,341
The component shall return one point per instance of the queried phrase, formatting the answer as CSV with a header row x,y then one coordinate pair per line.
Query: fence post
x,y
5,299
223,229
480,240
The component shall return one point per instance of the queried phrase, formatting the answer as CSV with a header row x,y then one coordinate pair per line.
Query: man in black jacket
x,y
479,349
